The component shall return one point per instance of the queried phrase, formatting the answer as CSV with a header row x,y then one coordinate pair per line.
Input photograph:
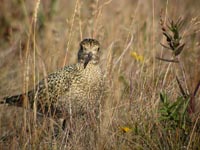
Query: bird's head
x,y
89,52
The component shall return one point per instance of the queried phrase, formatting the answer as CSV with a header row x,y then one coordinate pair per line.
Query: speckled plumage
x,y
74,88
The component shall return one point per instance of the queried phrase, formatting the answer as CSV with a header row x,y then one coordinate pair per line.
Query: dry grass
x,y
37,38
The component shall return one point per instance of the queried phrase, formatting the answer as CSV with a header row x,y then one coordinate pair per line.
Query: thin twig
x,y
167,60
168,48
123,53
192,133
196,89
180,87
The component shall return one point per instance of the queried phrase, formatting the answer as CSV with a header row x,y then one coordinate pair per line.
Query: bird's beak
x,y
87,59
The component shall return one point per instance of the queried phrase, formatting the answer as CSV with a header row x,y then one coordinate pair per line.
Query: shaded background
x,y
29,53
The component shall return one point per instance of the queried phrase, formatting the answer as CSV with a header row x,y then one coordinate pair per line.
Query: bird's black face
x,y
89,52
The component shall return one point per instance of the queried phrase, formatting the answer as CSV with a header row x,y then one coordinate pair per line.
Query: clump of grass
x,y
176,116
173,38
174,113
134,116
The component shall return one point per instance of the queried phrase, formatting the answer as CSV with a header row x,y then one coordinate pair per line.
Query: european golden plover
x,y
74,89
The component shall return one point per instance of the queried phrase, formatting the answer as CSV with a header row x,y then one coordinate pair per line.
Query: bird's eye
x,y
98,49
83,48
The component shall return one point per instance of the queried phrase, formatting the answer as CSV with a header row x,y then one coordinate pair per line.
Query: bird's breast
x,y
85,91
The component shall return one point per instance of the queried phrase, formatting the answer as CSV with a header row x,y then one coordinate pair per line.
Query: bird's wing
x,y
57,83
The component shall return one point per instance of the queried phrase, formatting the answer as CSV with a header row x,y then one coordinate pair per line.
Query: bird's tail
x,y
16,100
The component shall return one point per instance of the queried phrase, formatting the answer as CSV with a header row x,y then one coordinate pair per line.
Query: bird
x,y
72,90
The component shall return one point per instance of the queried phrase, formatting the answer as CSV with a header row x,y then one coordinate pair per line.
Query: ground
x,y
38,37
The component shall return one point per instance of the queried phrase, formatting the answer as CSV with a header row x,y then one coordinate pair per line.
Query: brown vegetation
x,y
37,38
